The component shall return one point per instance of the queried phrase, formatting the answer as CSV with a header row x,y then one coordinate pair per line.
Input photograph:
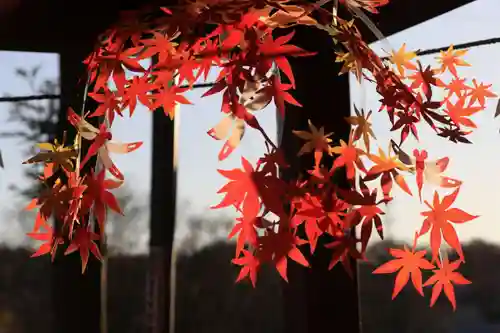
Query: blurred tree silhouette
x,y
201,232
208,300
127,234
37,118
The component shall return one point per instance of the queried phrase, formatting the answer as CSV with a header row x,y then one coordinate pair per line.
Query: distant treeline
x,y
208,300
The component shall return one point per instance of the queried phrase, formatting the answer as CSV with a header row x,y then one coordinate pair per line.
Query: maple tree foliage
x,y
271,209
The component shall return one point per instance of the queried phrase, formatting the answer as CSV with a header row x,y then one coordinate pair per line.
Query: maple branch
x,y
79,136
266,137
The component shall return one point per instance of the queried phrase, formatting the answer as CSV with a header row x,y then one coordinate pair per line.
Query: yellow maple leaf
x,y
55,153
402,59
350,64
451,58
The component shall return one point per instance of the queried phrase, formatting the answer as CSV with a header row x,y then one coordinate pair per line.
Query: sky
x,y
476,165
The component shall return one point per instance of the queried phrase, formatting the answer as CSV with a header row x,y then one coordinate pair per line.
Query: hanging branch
x,y
242,44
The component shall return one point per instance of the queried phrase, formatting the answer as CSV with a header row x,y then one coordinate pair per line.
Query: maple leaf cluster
x,y
278,219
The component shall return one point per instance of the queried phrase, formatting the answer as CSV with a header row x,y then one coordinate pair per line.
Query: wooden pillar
x,y
317,300
76,297
161,282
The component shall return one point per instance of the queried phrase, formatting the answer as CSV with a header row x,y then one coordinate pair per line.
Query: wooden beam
x,y
316,298
52,25
76,296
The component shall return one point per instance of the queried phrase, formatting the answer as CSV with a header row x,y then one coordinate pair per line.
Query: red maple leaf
x,y
279,91
251,265
406,122
54,201
168,98
309,211
111,63
425,79
109,105
368,213
99,198
160,44
245,228
137,88
51,241
240,188
278,246
276,49
345,249
208,59
83,240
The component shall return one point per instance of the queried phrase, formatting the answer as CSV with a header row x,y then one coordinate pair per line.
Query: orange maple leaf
x,y
438,220
349,157
402,60
456,87
409,263
479,93
387,167
444,277
459,112
451,58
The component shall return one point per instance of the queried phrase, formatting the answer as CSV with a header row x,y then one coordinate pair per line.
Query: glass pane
x,y
25,286
478,307
207,297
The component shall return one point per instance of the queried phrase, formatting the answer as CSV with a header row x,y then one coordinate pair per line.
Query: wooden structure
x,y
70,28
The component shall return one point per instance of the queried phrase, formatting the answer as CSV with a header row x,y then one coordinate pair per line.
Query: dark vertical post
x,y
317,300
76,296
162,222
